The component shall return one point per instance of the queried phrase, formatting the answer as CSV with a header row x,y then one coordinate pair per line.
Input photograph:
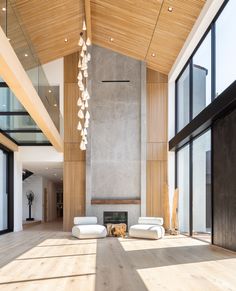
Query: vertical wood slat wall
x,y
74,158
157,146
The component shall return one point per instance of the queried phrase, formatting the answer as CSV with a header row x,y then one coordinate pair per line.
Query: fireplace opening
x,y
115,217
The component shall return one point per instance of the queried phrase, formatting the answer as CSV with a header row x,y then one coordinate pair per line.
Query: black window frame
x,y
181,139
20,113
189,62
10,189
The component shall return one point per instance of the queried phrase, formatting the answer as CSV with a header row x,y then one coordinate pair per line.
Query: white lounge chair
x,y
148,227
87,227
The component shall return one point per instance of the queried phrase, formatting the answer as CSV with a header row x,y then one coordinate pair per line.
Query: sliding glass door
x,y
194,185
183,186
202,186
3,191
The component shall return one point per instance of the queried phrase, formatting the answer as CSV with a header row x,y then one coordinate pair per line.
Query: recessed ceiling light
x,y
49,91
55,105
26,55
170,9
66,40
153,54
111,39
4,9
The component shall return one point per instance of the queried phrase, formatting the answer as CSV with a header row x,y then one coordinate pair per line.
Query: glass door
x,y
3,191
202,187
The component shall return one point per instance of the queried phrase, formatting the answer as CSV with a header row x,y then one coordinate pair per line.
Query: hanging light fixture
x,y
88,41
79,126
84,25
83,114
79,102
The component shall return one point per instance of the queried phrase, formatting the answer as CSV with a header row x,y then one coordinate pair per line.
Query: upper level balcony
x,y
16,120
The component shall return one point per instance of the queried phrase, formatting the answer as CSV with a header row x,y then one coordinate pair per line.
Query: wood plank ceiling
x,y
136,28
46,23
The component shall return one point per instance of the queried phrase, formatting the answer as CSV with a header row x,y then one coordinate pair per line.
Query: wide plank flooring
x,y
44,257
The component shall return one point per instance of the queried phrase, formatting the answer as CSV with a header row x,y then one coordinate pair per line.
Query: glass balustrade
x,y
12,25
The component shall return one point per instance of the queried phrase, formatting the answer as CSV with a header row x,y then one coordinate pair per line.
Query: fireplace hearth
x,y
114,217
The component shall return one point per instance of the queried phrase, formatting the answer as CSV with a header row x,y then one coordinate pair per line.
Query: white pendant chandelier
x,y
83,112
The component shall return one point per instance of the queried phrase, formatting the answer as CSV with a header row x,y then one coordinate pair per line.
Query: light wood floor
x,y
45,258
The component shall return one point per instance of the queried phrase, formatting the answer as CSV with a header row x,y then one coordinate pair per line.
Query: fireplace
x,y
115,217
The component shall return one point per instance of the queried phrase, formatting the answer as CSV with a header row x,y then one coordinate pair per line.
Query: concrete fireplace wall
x,y
115,166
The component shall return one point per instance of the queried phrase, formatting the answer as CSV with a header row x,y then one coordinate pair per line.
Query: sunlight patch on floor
x,y
188,277
51,264
166,242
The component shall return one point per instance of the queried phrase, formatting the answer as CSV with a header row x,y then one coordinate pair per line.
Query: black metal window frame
x,y
10,189
20,113
189,133
190,177
189,63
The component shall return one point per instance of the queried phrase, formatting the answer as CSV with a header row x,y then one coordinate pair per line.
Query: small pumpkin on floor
x,y
116,229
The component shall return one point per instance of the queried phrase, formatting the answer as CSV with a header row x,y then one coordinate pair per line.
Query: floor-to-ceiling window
x,y
183,186
201,186
16,122
209,71
225,47
202,76
183,99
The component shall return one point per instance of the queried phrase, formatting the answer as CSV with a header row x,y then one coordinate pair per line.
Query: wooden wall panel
x,y
74,192
157,112
74,158
157,145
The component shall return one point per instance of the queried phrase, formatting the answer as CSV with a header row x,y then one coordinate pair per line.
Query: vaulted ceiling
x,y
142,29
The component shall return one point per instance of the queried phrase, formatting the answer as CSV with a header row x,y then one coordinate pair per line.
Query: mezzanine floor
x,y
45,258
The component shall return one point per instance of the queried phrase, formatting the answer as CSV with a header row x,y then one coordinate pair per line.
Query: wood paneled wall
x,y
157,189
74,158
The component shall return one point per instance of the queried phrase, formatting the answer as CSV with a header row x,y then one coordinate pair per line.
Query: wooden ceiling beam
x,y
87,7
6,142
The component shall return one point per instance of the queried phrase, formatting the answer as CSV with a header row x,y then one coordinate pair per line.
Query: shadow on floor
x,y
113,270
117,268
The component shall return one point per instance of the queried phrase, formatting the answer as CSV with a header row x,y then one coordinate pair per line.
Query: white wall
x,y
38,184
35,184
54,72
40,154
29,154
17,192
